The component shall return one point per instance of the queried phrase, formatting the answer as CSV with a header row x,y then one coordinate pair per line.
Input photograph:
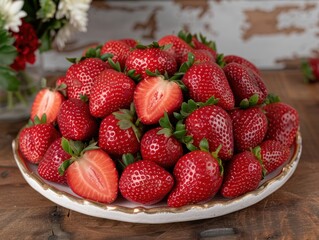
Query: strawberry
x,y
152,58
249,127
47,101
273,154
283,122
240,60
51,161
75,121
213,123
242,174
160,148
178,47
111,91
130,42
198,178
118,134
207,79
90,173
310,70
153,96
60,80
145,182
80,76
244,82
201,43
35,139
119,49
200,55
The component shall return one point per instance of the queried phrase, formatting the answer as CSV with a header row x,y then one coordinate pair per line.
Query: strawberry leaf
x,y
203,145
66,146
64,166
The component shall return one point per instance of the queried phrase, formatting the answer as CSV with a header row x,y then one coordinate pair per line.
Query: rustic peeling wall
x,y
272,34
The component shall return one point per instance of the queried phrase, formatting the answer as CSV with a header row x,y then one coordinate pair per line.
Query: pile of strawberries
x,y
172,121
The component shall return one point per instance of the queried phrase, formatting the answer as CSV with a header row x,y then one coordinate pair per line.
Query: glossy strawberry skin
x,y
119,49
243,61
47,102
130,42
94,176
200,55
51,161
198,178
273,154
165,151
75,121
80,77
198,45
153,96
151,59
214,124
114,140
35,140
178,47
207,79
242,174
145,182
283,122
111,91
249,126
244,83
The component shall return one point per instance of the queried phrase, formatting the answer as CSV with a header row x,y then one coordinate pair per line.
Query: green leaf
x,y
47,10
203,145
8,79
166,131
116,66
45,41
66,146
7,51
253,100
64,166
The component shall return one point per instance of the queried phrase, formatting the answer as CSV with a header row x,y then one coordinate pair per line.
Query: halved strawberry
x,y
153,96
47,101
90,173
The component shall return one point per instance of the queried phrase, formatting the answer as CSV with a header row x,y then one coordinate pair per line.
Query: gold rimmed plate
x,y
123,210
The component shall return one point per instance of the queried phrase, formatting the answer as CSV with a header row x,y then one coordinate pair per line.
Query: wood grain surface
x,y
292,212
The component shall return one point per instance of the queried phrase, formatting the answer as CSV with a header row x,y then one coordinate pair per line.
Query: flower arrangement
x,y
31,26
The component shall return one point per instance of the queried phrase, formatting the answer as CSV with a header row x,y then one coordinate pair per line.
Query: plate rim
x,y
164,214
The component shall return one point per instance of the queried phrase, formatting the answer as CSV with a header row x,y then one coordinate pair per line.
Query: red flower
x,y
26,44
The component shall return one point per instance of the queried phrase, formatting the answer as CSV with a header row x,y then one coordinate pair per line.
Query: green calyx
x,y
94,52
186,37
37,120
251,102
127,119
153,45
75,149
272,98
257,152
184,67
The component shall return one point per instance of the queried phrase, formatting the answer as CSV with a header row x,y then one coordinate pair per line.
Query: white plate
x,y
128,212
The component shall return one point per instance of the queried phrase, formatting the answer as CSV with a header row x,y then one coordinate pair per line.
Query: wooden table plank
x,y
292,212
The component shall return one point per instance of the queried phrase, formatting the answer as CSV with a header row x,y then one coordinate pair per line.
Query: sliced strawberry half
x,y
47,102
93,176
153,96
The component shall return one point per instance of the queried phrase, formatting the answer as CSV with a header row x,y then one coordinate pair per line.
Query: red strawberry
x,y
198,178
240,60
119,49
201,43
130,42
200,55
283,122
163,150
153,96
35,139
245,82
205,80
51,161
60,80
145,182
118,135
242,174
273,154
47,101
249,126
111,91
152,58
75,121
310,69
178,47
92,175
214,124
80,76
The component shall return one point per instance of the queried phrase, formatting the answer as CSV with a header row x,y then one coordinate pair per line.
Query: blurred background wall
x,y
271,33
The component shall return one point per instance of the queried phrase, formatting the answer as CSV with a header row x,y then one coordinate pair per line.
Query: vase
x,y
17,105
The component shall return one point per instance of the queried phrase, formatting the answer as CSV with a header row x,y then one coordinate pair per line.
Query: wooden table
x,y
292,212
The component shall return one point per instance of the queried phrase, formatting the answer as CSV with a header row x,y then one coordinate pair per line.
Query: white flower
x,y
11,14
63,35
75,11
